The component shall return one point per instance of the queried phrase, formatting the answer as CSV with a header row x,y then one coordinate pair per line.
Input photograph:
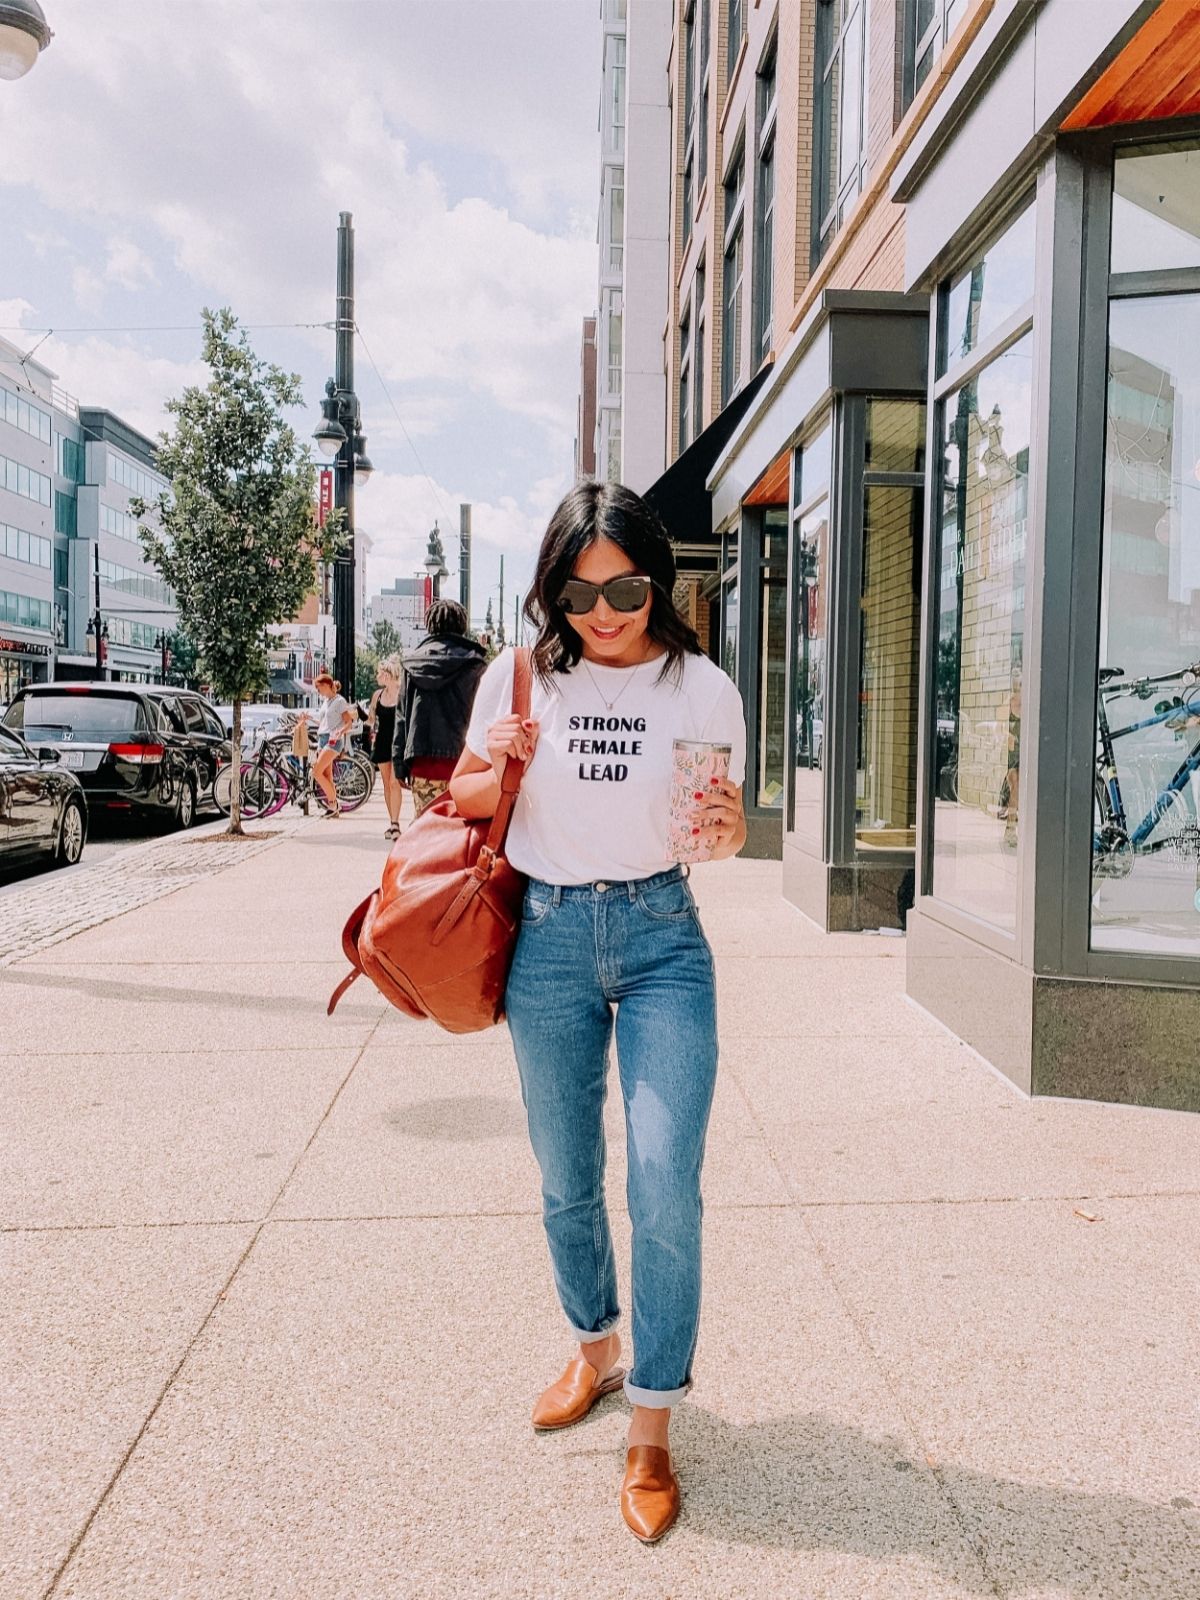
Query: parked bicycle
x,y
274,777
1170,821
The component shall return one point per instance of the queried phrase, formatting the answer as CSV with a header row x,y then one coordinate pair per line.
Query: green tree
x,y
385,639
239,542
184,658
366,665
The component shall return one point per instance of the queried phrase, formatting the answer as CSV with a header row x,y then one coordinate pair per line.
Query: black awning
x,y
680,496
287,685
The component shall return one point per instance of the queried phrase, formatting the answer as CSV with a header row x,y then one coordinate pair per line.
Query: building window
x,y
685,381
616,78
689,71
616,220
810,554
133,478
731,329
737,32
23,414
772,661
18,545
764,210
614,350
65,518
22,480
702,130
612,457
928,25
885,808
118,523
839,158
1146,826
24,611
698,407
688,203
68,458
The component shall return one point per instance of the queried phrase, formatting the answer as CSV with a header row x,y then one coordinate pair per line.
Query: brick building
x,y
933,422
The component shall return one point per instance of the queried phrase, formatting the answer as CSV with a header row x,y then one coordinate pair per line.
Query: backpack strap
x,y
514,770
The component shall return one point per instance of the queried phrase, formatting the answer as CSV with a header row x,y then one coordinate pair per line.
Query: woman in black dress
x,y
383,729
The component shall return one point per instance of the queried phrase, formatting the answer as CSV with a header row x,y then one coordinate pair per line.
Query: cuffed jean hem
x,y
655,1399
593,1338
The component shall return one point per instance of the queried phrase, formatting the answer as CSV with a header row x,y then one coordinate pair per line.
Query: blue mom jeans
x,y
628,958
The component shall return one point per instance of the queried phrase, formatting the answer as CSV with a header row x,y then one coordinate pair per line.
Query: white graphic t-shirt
x,y
595,800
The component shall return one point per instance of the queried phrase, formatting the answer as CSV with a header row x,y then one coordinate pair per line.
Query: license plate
x,y
73,758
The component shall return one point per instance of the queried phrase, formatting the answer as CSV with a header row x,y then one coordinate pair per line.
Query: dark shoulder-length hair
x,y
593,511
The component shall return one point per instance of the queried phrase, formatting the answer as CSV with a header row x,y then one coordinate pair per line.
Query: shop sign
x,y
24,647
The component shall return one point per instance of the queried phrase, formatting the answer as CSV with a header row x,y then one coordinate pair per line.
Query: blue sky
x,y
170,154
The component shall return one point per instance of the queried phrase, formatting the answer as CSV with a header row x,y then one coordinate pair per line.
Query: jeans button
x,y
601,887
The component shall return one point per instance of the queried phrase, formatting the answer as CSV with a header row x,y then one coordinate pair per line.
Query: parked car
x,y
42,806
145,748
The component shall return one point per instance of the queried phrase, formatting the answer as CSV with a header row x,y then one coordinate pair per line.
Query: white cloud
x,y
15,313
128,265
87,288
133,382
238,132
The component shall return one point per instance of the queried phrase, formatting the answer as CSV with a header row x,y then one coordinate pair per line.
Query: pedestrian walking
x,y
440,679
611,942
382,722
333,734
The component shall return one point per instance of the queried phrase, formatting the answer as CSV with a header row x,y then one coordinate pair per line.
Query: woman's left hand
x,y
721,819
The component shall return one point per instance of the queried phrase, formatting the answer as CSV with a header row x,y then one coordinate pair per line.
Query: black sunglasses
x,y
622,594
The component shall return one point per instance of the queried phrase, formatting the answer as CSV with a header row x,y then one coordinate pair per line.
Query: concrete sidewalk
x,y
276,1301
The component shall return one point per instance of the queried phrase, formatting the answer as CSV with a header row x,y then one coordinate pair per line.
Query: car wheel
x,y
185,805
72,831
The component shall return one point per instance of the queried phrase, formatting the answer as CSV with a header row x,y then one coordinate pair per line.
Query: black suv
x,y
133,746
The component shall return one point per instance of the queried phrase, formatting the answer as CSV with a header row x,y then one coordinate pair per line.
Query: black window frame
x,y
736,26
763,265
829,209
932,42
733,245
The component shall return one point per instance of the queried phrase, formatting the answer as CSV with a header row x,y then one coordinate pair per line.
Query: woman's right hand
x,y
511,737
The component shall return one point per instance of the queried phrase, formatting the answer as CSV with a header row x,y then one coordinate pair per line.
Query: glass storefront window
x,y
772,664
989,291
1146,836
895,439
813,471
889,618
980,638
1155,221
729,643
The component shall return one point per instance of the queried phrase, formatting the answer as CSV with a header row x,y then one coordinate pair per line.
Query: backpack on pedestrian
x,y
437,937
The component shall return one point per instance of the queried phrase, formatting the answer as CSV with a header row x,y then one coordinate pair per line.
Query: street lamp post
x,y
340,438
23,36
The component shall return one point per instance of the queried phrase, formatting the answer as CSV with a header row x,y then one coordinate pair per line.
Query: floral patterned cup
x,y
694,766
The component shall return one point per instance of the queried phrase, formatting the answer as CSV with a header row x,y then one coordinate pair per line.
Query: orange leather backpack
x,y
437,937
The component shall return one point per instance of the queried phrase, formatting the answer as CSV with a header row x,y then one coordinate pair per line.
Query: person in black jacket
x,y
440,679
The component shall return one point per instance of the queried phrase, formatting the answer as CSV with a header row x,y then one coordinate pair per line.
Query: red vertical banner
x,y
428,595
325,500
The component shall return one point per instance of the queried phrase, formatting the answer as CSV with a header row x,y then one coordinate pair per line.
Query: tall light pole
x,y
340,438
24,34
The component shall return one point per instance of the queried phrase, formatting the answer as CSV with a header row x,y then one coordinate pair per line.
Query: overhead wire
x,y
439,502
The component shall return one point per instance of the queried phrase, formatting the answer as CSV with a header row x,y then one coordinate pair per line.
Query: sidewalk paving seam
x,y
136,877
221,1294
975,1543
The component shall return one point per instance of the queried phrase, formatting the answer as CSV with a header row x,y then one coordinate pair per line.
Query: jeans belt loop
x,y
557,895
631,889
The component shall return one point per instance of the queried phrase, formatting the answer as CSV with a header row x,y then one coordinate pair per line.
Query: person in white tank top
x,y
611,945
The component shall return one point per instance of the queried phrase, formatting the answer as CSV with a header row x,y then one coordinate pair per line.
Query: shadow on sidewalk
x,y
284,1005
807,1482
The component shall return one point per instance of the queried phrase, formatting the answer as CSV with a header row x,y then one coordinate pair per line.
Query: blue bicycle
x,y
1117,841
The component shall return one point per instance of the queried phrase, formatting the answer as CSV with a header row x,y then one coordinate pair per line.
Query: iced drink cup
x,y
694,765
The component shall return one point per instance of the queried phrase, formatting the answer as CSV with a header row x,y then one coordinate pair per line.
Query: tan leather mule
x,y
650,1496
573,1396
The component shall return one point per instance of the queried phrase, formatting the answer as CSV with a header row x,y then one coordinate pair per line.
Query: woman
x,y
333,731
440,679
382,723
609,927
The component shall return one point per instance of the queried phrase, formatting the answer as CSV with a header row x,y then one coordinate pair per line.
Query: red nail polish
x,y
695,830
715,782
698,795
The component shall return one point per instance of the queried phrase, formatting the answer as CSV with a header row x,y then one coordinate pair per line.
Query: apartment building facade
x,y
933,433
69,548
